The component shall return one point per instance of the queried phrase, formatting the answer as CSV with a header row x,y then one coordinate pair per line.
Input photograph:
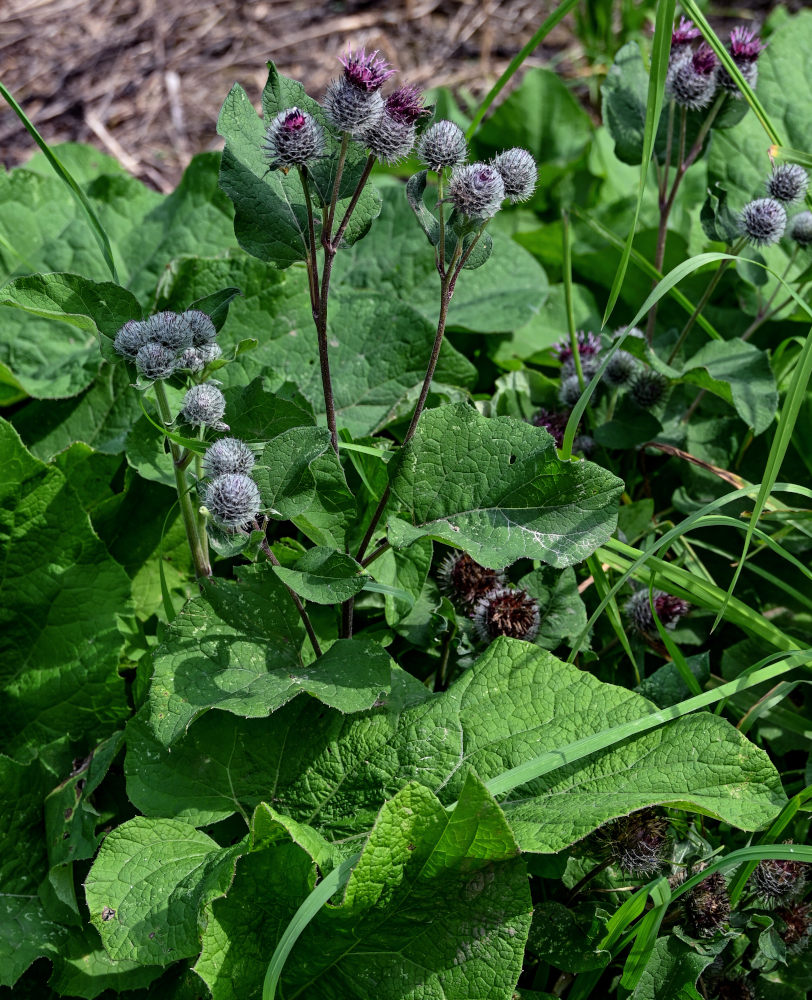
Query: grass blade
x,y
661,47
66,177
544,29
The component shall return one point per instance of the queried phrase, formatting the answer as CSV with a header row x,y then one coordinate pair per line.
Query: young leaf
x,y
324,576
522,502
284,474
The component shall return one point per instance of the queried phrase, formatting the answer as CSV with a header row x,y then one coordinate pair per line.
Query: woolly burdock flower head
x,y
195,359
648,388
553,421
797,926
519,173
800,229
232,499
684,33
226,455
442,145
201,325
708,905
763,221
155,361
367,72
131,338
476,190
620,369
691,80
669,610
777,881
744,48
636,843
463,579
506,611
570,391
787,182
204,406
171,330
352,109
293,138
392,136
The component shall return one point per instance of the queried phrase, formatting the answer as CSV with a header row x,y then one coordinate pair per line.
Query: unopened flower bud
x,y
584,445
293,138
787,182
570,391
636,843
226,455
800,229
154,361
620,369
232,499
691,81
777,881
763,221
708,904
669,610
589,365
744,49
195,359
204,405
477,190
131,338
202,327
442,145
171,330
519,173
648,388
506,611
553,421
466,581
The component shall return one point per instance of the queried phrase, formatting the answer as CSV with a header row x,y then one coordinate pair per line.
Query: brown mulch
x,y
145,80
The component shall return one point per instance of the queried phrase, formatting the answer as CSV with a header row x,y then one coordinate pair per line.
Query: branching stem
x,y
269,555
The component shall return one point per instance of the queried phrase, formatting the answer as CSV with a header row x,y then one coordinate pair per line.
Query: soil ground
x,y
145,79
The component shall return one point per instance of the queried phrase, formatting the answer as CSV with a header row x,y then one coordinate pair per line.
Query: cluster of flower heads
x,y
669,610
495,608
168,342
231,495
695,75
764,221
624,372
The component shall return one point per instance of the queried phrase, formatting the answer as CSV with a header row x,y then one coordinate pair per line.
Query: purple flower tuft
x,y
553,421
588,346
366,72
405,105
744,45
704,60
684,33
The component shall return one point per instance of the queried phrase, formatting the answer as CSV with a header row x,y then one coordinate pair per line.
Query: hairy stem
x,y
441,208
327,227
187,507
312,265
269,555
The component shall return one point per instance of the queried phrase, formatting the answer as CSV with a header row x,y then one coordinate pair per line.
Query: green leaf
x,y
238,649
415,189
673,968
284,475
62,595
324,576
266,407
332,515
148,886
394,259
271,219
562,612
386,932
82,968
568,938
719,221
227,764
522,502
